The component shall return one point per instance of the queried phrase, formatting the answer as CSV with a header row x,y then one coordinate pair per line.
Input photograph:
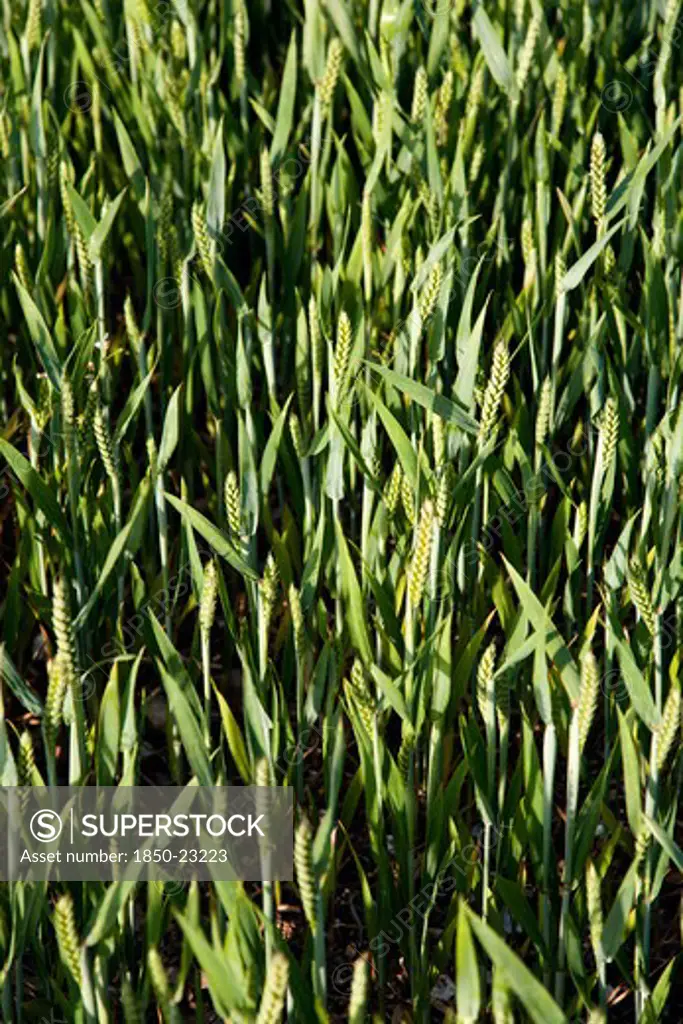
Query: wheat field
x,y
342,450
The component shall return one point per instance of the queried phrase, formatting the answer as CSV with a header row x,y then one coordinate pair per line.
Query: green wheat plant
x,y
341,450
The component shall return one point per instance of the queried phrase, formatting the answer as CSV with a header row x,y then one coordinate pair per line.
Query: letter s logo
x,y
46,826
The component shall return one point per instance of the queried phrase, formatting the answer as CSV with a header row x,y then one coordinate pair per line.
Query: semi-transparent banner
x,y
106,833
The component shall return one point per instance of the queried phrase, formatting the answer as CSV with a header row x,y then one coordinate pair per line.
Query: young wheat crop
x,y
342,450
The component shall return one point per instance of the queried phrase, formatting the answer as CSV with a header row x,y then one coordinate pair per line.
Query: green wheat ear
x,y
527,52
58,682
581,524
430,293
358,694
66,175
201,237
420,95
84,261
27,772
335,55
392,490
207,607
342,354
296,435
269,584
33,24
421,554
640,594
588,695
493,393
405,750
477,161
68,415
442,112
597,173
609,434
317,349
485,681
543,417
275,990
67,936
297,620
238,42
305,876
407,499
594,905
668,729
233,505
104,445
132,329
641,845
61,624
267,195
527,240
559,101
444,494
